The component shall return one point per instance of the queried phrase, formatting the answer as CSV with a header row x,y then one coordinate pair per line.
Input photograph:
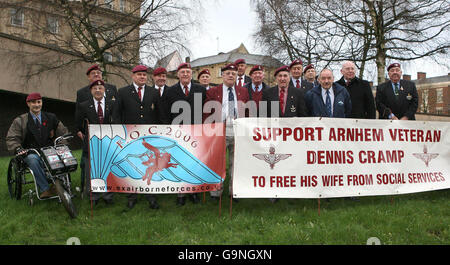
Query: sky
x,y
228,23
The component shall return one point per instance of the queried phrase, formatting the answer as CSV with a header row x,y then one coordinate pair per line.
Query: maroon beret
x,y
309,66
230,66
93,67
393,65
160,70
204,71
184,65
139,68
96,83
256,68
280,69
297,61
239,61
34,96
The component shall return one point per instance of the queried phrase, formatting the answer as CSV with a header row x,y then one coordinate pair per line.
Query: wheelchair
x,y
58,162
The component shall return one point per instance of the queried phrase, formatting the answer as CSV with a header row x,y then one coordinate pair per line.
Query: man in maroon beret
x,y
204,78
242,79
230,97
310,74
256,86
296,71
138,103
290,101
96,110
34,130
397,98
93,73
159,79
185,91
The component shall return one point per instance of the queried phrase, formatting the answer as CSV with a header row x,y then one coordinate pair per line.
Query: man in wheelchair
x,y
35,129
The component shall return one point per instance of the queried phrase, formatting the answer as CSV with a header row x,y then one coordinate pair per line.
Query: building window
x,y
440,95
122,5
108,56
109,4
424,104
52,24
17,17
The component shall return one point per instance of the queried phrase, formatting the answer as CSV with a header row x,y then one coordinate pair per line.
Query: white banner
x,y
323,157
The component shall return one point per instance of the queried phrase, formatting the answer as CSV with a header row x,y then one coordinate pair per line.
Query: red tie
x,y
282,100
139,93
240,81
186,91
298,84
100,112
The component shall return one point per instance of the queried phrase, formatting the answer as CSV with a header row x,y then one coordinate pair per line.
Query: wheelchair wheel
x,y
14,178
65,198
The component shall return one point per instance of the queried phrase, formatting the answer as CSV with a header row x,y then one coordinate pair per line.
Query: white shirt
x,y
242,80
225,102
182,87
324,97
137,90
102,103
158,89
294,81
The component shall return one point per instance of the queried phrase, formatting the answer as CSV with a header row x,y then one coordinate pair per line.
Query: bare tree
x,y
364,31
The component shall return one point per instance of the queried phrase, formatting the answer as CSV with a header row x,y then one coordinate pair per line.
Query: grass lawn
x,y
421,218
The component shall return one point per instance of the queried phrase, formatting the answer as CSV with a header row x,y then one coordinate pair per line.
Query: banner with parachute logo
x,y
156,158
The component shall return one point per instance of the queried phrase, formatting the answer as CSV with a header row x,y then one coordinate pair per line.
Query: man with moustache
x,y
242,79
35,129
397,98
229,96
328,99
185,91
296,71
204,78
289,100
93,73
363,103
96,110
159,77
138,104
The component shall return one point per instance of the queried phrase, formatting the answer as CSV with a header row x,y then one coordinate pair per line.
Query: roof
x,y
230,57
431,80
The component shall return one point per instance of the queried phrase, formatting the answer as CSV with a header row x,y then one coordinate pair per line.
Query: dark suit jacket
x,y
175,93
404,105
86,111
295,102
84,93
363,103
216,94
130,110
304,85
42,135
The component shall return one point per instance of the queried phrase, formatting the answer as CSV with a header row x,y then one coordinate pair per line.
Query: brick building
x,y
434,94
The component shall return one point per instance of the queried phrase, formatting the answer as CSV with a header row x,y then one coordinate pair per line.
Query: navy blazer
x,y
342,106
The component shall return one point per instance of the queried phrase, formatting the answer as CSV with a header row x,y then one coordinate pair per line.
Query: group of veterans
x,y
299,92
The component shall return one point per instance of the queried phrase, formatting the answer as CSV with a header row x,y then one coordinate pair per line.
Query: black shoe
x,y
235,200
131,204
194,198
154,205
109,201
273,200
95,202
181,201
215,198
355,199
